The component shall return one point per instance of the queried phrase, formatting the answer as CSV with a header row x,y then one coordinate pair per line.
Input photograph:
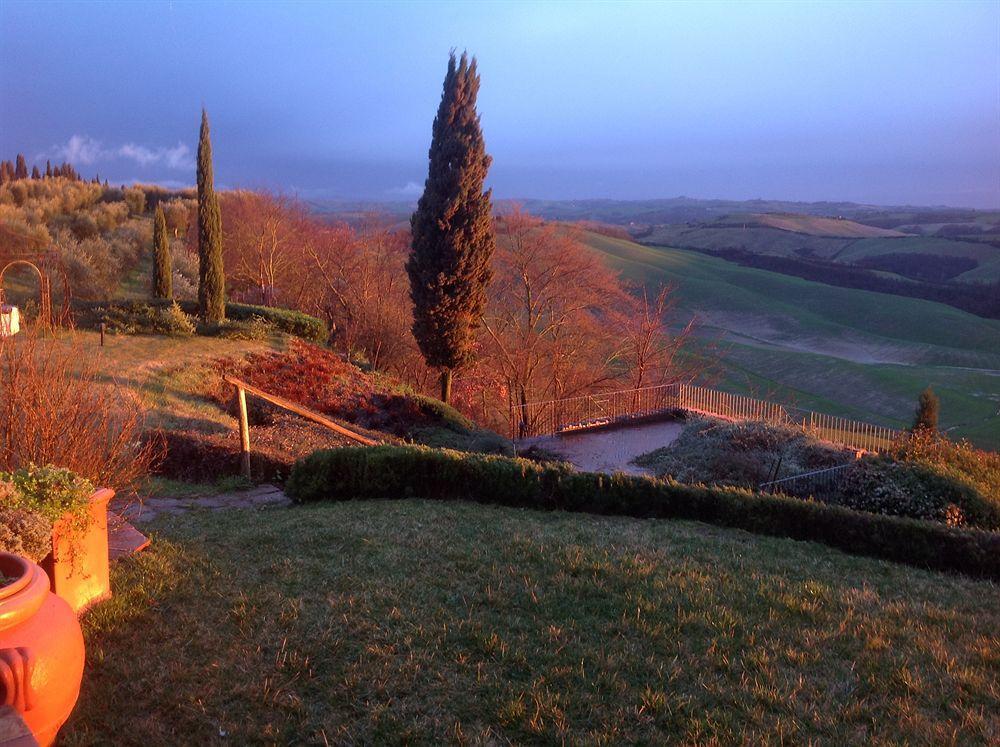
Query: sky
x,y
883,103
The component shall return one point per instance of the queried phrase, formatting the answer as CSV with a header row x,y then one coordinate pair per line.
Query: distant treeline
x,y
12,171
980,299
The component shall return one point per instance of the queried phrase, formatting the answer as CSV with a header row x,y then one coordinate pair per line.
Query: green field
x,y
416,622
847,352
796,236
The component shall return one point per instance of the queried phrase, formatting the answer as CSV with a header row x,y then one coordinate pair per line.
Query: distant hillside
x,y
812,225
852,352
924,258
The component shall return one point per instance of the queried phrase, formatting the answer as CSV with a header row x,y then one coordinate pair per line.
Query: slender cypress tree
x,y
21,169
35,173
211,276
162,280
452,230
48,169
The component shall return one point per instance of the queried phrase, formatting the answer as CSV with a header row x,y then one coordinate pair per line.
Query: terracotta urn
x,y
78,564
41,649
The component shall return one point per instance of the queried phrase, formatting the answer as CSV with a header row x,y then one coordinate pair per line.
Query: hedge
x,y
138,313
386,472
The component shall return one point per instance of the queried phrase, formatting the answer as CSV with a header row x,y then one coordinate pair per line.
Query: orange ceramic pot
x,y
78,564
41,649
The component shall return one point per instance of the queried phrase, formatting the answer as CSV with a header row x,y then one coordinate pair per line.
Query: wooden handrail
x,y
305,412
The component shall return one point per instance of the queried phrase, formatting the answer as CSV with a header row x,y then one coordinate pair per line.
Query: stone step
x,y
123,538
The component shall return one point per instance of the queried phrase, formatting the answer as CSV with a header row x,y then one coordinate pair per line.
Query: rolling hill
x,y
839,350
846,242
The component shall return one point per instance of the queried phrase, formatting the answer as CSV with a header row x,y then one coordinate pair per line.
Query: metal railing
x,y
607,408
817,482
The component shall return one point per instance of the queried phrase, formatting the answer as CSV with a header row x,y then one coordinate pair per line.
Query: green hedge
x,y
142,317
382,472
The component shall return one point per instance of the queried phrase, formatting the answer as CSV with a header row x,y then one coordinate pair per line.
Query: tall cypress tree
x,y
162,280
48,169
452,230
21,169
211,276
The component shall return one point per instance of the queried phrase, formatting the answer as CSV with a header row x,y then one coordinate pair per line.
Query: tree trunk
x,y
446,385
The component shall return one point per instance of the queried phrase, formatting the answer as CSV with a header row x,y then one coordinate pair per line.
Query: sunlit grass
x,y
427,622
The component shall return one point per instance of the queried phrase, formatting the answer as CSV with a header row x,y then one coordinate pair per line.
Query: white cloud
x,y
411,189
83,150
179,157
80,150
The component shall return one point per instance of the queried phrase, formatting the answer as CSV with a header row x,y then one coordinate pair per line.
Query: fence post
x,y
241,395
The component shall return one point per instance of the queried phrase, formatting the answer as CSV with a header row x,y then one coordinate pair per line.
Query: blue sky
x,y
875,102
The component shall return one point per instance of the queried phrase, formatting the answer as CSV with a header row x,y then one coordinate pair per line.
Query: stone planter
x,y
78,564
41,649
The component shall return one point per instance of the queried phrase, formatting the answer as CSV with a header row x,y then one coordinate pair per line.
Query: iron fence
x,y
817,482
607,408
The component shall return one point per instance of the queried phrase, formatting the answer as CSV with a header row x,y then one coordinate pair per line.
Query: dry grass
x,y
424,622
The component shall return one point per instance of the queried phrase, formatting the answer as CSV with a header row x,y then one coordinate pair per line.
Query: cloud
x,y
80,150
83,150
411,189
178,158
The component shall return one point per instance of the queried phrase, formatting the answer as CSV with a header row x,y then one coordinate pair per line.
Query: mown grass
x,y
424,622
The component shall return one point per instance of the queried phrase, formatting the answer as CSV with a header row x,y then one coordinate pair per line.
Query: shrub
x,y
138,317
25,533
50,492
740,454
398,472
319,379
255,328
56,407
884,486
295,323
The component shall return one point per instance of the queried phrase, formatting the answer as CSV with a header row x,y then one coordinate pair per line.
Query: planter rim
x,y
22,599
21,566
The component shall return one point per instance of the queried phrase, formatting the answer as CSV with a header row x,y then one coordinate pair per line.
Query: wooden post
x,y
102,334
244,431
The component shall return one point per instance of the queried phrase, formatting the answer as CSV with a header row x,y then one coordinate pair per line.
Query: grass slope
x,y
813,225
838,350
793,236
421,622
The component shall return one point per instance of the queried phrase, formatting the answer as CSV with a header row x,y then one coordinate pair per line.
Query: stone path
x,y
150,508
611,449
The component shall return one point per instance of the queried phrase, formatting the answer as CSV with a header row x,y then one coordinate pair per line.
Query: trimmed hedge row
x,y
138,314
382,472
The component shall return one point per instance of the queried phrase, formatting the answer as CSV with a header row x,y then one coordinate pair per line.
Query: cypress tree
x,y
211,277
21,169
926,416
452,230
162,281
35,173
48,169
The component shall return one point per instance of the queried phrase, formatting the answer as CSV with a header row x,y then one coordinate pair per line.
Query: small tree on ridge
x,y
926,416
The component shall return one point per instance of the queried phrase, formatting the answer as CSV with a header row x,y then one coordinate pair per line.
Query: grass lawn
x,y
427,622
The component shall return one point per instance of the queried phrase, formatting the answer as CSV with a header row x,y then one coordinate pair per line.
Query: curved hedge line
x,y
142,315
382,472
